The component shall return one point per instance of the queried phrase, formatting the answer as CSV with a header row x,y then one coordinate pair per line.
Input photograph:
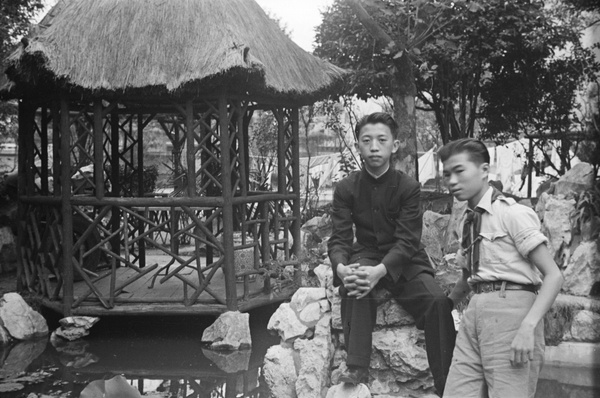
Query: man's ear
x,y
485,168
356,146
396,146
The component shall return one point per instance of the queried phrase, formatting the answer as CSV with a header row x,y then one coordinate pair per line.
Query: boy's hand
x,y
366,278
346,274
521,349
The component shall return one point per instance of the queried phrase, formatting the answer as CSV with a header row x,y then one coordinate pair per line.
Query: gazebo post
x,y
115,174
228,266
44,149
296,183
98,150
66,211
26,116
190,149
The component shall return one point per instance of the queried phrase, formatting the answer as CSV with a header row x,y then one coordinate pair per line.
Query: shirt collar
x,y
486,201
380,175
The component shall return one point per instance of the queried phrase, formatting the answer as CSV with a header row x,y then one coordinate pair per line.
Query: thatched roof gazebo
x,y
90,80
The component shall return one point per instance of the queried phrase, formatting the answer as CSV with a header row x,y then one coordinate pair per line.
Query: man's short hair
x,y
476,150
377,117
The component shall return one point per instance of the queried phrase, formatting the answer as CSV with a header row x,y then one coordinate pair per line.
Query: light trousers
x,y
481,365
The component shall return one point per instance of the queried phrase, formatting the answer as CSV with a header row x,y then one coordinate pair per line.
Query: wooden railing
x,y
103,250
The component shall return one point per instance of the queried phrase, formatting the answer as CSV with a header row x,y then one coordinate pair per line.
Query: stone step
x,y
572,363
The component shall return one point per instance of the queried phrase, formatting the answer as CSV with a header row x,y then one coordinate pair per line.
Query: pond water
x,y
162,356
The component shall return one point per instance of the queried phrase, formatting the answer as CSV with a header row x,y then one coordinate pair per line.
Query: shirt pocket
x,y
493,247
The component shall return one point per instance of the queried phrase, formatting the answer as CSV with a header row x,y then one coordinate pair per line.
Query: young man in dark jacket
x,y
383,206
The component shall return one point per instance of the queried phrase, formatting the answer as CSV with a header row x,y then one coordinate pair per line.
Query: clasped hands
x,y
358,279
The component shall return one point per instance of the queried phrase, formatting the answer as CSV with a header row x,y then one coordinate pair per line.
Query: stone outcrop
x,y
19,319
576,180
349,391
75,327
586,326
554,213
304,326
280,371
286,323
583,270
433,237
231,331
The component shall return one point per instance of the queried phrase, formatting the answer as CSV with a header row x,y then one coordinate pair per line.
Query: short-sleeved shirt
x,y
509,232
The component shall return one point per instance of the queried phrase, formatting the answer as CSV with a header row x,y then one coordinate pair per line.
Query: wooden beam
x,y
228,266
296,182
66,211
190,149
98,149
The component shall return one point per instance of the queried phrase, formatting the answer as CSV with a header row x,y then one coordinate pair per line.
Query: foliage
x,y
15,16
463,52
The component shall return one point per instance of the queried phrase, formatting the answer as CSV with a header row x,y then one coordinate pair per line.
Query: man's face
x,y
376,144
465,179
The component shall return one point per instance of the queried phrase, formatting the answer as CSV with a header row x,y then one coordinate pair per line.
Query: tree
x,y
455,49
15,17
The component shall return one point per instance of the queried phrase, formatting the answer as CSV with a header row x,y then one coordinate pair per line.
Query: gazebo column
x,y
25,173
98,150
228,266
66,211
295,228
115,220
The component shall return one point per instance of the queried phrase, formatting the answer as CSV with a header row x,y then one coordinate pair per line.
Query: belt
x,y
486,287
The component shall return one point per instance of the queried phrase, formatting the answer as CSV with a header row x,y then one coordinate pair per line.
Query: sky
x,y
299,16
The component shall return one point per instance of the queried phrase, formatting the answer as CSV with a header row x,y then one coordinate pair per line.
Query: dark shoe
x,y
354,375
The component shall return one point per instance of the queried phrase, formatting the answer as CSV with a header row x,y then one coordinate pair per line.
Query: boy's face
x,y
376,144
465,179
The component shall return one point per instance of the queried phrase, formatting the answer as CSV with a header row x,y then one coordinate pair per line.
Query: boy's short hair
x,y
476,150
377,117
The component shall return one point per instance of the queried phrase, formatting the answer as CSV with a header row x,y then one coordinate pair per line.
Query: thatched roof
x,y
118,45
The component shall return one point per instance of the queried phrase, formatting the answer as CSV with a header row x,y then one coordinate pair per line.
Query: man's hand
x,y
346,274
364,279
521,349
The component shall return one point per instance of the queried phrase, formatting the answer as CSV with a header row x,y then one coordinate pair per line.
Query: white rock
x,y
71,333
230,331
345,390
579,178
336,309
306,295
325,275
583,269
434,232
556,225
311,314
586,326
286,323
85,322
398,349
279,371
21,321
392,313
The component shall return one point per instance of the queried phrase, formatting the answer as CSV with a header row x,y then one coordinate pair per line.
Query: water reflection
x,y
156,356
164,357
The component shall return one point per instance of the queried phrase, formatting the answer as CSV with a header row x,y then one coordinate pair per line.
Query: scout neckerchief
x,y
471,228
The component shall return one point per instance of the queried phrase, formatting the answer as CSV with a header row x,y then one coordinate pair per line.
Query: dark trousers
x,y
422,298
